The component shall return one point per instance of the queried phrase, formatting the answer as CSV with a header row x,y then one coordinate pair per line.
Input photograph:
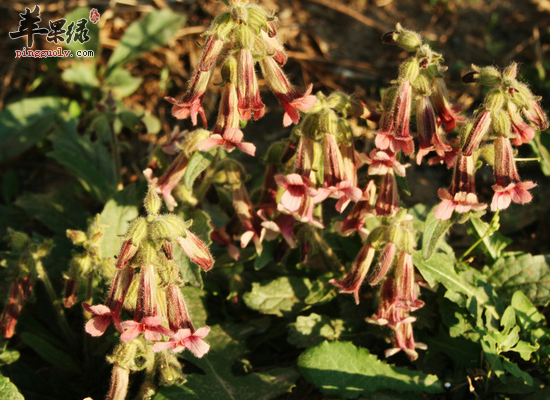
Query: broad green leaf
x,y
122,83
55,210
440,269
116,217
266,256
218,382
531,321
463,353
89,162
278,297
25,123
49,353
194,298
314,329
320,291
8,391
524,272
155,30
93,32
82,74
492,245
517,372
199,161
346,371
540,147
434,230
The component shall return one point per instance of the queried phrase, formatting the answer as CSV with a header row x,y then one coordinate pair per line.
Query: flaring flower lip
x,y
185,339
231,139
461,202
302,102
185,108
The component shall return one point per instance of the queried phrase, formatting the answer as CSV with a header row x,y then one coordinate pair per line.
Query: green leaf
x,y
55,210
492,245
517,372
199,161
266,256
122,83
89,162
540,147
314,329
278,297
531,321
155,30
8,391
218,382
434,230
49,353
524,272
463,353
8,356
116,216
25,123
83,74
346,371
93,31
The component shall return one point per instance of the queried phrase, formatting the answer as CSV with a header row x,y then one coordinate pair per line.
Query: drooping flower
x,y
151,327
248,94
508,186
354,279
405,286
382,160
404,341
446,112
534,113
20,290
196,250
387,202
385,261
290,98
428,131
460,196
476,133
523,132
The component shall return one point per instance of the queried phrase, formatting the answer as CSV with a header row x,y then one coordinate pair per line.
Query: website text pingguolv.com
x,y
59,52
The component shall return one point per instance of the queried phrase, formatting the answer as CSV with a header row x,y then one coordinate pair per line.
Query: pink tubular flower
x,y
446,112
353,281
394,134
249,220
283,224
168,181
406,288
290,98
428,131
228,115
222,237
231,139
108,314
477,133
297,189
523,132
248,94
273,45
185,339
355,221
404,340
508,186
196,250
191,104
20,290
460,196
345,192
178,316
127,252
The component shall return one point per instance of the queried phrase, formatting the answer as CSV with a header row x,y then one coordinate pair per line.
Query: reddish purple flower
x,y
385,261
355,221
460,196
71,290
428,131
228,115
222,237
273,45
535,114
185,339
248,94
290,98
20,290
297,190
394,134
446,112
387,202
249,221
353,281
508,185
231,139
127,252
382,160
345,192
178,316
196,250
404,340
283,224
476,133
104,317
406,287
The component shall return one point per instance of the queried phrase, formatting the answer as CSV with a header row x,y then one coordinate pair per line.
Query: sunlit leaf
x,y
8,391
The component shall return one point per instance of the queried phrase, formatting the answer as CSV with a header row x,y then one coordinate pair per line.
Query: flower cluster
x,y
394,242
146,285
239,39
503,119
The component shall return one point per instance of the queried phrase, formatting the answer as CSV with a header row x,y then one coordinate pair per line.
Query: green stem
x,y
115,150
60,312
490,230
327,251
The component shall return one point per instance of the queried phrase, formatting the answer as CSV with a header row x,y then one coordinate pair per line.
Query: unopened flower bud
x,y
489,76
77,237
152,202
148,253
388,99
120,378
501,125
71,290
494,100
80,264
222,26
167,227
18,240
257,18
44,248
239,14
384,263
511,71
137,231
229,70
409,70
275,152
404,38
521,95
422,86
244,37
378,237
